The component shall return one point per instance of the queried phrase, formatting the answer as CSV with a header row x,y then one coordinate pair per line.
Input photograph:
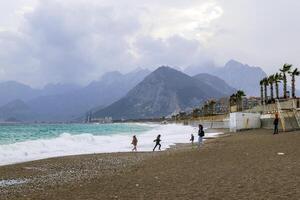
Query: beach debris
x,y
137,185
280,154
12,182
34,168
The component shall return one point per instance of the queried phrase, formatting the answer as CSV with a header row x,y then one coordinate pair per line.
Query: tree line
x,y
275,80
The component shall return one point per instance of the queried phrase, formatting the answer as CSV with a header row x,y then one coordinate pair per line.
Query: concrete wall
x,y
224,124
243,121
290,122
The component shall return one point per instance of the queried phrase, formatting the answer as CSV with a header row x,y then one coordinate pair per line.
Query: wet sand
x,y
248,165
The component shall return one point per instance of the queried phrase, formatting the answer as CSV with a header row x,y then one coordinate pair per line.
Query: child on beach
x,y
157,140
134,143
200,135
192,140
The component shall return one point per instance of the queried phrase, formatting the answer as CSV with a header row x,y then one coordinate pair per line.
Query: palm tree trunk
x,y
284,85
238,106
277,90
272,91
262,94
266,94
293,86
241,104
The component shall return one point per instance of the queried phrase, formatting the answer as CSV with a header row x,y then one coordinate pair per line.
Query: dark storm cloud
x,y
74,44
59,42
174,51
78,40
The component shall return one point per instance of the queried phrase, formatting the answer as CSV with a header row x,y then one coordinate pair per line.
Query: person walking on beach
x,y
200,135
157,143
134,143
276,122
192,140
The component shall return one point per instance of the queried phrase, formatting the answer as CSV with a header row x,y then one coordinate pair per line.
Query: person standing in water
x,y
200,135
134,143
276,122
157,143
192,140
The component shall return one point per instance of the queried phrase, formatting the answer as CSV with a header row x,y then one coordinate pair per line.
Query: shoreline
x,y
246,165
67,144
172,148
168,148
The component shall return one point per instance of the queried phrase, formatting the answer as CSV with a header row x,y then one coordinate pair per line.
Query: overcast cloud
x,y
76,41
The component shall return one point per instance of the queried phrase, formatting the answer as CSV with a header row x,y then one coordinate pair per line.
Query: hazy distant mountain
x,y
161,93
207,67
12,90
242,77
236,74
112,87
69,102
15,110
215,82
59,88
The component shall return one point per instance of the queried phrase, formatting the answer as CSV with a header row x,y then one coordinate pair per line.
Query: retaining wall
x,y
290,123
242,121
211,124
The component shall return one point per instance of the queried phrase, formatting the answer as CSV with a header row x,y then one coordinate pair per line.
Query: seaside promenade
x,y
249,165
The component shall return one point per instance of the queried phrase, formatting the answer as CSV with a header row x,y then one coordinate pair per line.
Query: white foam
x,y
67,144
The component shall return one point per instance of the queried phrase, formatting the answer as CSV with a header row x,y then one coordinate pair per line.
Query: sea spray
x,y
88,143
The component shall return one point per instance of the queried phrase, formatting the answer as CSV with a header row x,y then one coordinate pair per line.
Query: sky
x,y
76,41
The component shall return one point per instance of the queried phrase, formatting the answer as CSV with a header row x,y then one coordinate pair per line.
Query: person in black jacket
x,y
134,143
276,122
157,143
200,135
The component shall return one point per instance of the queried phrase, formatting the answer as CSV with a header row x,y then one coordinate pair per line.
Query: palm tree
x,y
271,80
212,104
205,109
285,69
278,79
239,97
293,74
232,100
266,83
261,83
195,112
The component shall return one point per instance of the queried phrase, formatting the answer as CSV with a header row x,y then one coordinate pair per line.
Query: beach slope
x,y
250,165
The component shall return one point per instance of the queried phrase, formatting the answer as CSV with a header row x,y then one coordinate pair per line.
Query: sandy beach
x,y
250,165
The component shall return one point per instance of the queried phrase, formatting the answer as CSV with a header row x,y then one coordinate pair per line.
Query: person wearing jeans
x,y
200,135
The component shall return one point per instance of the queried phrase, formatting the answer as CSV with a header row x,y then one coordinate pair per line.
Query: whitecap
x,y
68,144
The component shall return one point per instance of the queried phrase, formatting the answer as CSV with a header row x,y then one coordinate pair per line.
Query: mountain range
x,y
237,75
41,105
137,94
163,92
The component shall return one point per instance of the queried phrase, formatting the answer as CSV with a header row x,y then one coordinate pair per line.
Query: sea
x,y
28,142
